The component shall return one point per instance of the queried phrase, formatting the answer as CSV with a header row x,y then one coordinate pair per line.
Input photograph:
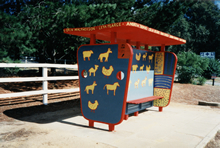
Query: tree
x,y
14,38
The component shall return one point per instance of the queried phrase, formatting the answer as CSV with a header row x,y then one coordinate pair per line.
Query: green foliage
x,y
14,37
213,68
189,66
201,80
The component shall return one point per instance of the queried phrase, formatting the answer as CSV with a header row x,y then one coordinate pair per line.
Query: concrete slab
x,y
179,125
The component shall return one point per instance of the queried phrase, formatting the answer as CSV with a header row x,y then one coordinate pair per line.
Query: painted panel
x,y
161,92
102,93
142,75
169,63
161,81
159,63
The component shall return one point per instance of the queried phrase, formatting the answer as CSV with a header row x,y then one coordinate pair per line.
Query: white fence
x,y
44,79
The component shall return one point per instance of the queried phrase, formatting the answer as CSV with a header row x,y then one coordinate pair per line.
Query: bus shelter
x,y
123,77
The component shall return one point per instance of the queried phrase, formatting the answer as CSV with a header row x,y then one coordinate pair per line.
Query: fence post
x,y
45,86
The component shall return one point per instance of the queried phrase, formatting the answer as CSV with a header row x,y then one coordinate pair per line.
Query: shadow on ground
x,y
46,113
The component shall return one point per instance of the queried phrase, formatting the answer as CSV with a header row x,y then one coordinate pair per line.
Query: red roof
x,y
128,31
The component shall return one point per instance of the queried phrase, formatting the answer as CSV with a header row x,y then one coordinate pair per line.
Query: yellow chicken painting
x,y
138,56
93,106
148,69
107,72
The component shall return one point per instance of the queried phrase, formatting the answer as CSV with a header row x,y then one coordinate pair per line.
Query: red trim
x,y
127,84
142,100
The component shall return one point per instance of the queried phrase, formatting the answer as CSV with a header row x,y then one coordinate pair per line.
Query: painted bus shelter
x,y
118,78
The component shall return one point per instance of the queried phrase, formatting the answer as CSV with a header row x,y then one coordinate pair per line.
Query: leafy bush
x,y
213,68
201,80
10,71
190,66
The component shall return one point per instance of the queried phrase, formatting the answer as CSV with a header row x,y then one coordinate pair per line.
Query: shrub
x,y
189,66
201,80
213,68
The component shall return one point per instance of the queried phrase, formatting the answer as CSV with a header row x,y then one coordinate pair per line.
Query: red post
x,y
111,127
146,47
91,123
126,117
136,113
162,48
138,44
160,109
92,39
113,37
128,41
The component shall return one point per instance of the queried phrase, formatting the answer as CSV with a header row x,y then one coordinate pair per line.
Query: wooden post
x,y
113,37
92,39
45,86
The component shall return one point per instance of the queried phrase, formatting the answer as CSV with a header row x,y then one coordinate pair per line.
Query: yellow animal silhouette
x,y
129,84
134,68
90,87
105,55
93,70
150,81
143,82
142,67
138,56
111,87
150,57
107,72
148,68
93,106
87,54
144,56
136,83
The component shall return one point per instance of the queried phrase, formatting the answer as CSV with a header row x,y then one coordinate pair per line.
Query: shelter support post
x,y
91,123
111,127
162,48
128,41
138,44
113,37
146,47
160,109
92,39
